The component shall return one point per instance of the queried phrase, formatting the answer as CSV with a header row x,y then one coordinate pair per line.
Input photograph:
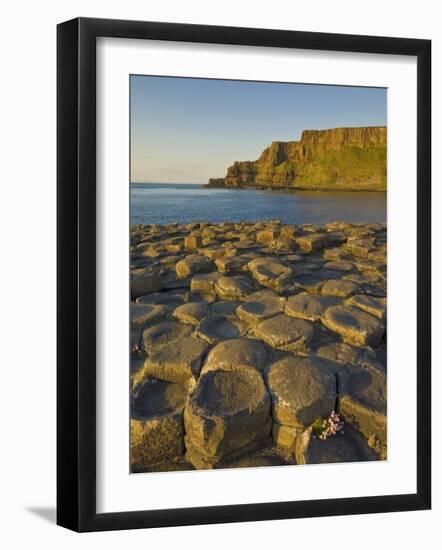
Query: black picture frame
x,y
76,273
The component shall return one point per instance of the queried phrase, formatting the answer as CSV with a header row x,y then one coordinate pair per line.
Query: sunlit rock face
x,y
336,159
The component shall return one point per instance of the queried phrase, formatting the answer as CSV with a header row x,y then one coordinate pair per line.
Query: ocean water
x,y
168,203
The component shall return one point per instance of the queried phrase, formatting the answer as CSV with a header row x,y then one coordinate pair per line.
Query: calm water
x,y
168,203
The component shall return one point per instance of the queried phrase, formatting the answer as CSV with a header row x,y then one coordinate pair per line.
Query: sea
x,y
162,203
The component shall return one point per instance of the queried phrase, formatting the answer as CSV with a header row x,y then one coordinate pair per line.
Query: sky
x,y
187,130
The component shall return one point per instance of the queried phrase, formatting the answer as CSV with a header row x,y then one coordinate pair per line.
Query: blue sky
x,y
186,130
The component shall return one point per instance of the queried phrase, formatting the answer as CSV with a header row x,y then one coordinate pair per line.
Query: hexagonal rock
x,y
360,247
270,272
339,287
375,306
267,235
178,361
204,281
309,243
192,242
283,245
306,306
213,253
288,231
156,425
286,333
336,254
216,328
233,287
200,296
339,265
192,312
341,353
302,388
378,255
144,314
171,301
354,325
260,305
232,264
191,264
236,354
145,283
164,333
285,436
362,401
345,446
225,307
226,412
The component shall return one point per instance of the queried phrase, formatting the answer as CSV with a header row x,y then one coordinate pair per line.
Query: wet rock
x,y
215,328
226,412
145,283
194,263
306,306
270,272
164,333
339,287
234,287
192,312
362,402
375,306
156,426
354,325
286,333
261,305
145,314
237,353
302,389
178,361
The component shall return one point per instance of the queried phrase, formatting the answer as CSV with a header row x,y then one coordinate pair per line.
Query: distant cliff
x,y
338,159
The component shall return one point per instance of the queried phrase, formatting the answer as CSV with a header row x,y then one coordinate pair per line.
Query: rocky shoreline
x,y
338,159
245,337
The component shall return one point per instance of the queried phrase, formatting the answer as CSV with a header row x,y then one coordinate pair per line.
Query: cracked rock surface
x,y
245,335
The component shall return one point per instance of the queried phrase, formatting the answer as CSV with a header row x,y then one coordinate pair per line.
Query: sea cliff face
x,y
336,159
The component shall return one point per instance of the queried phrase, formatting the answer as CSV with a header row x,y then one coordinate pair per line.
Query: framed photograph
x,y
238,210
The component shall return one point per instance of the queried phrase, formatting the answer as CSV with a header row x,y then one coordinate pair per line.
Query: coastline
x,y
261,311
293,189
